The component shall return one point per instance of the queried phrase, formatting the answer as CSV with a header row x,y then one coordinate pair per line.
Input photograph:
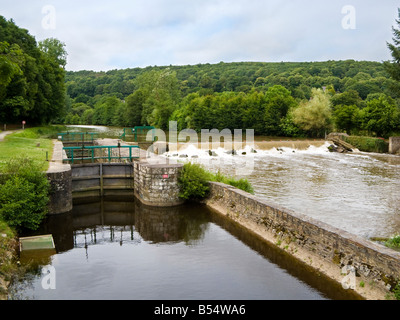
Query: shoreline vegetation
x,y
23,159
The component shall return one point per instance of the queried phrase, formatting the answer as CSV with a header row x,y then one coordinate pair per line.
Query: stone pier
x,y
394,145
157,184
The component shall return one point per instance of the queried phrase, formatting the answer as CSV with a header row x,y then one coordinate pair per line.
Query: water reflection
x,y
99,221
125,250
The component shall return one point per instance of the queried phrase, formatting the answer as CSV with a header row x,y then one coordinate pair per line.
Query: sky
x,y
103,35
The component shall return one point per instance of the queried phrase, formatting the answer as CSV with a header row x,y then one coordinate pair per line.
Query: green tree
x,y
348,98
135,103
55,49
315,115
162,96
346,117
278,101
32,86
393,67
381,116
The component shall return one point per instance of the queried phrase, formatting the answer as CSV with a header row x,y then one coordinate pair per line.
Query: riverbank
x,y
36,144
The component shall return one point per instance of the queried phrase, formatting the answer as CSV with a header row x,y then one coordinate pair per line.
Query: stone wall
x,y
59,176
323,247
60,190
157,184
394,145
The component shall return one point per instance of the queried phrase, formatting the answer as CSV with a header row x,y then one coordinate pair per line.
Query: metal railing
x,y
77,136
138,131
88,153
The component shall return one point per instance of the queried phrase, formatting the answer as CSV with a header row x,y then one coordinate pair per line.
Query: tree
x,y
162,96
278,101
314,115
346,117
348,98
134,104
31,78
381,116
393,67
55,49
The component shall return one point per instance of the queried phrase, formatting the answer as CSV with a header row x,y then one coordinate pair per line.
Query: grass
x,y
194,182
368,144
393,242
34,143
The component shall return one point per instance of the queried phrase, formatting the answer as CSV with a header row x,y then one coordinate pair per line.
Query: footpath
x,y
3,134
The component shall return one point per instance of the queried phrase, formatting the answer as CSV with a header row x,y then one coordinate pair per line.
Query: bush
x,y
194,182
24,194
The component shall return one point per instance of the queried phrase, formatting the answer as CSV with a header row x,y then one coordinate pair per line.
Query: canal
x,y
118,249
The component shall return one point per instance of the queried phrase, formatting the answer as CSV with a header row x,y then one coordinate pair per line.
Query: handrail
x,y
72,135
72,156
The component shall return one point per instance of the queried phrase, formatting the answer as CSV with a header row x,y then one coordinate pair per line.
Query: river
x,y
357,192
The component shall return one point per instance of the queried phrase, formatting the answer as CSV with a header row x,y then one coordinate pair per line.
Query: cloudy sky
x,y
105,35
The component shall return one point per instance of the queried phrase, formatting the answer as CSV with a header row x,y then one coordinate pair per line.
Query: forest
x,y
293,99
32,76
274,99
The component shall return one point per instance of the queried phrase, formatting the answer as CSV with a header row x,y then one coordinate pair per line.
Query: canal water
x,y
119,249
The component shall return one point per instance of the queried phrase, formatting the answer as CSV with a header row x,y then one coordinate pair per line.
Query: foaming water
x,y
356,192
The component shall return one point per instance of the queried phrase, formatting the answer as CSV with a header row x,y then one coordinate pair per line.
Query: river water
x,y
357,192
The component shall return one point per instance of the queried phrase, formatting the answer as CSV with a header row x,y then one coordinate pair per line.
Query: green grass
x,y
368,144
194,182
33,143
393,242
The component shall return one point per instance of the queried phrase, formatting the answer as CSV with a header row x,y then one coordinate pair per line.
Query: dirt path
x,y
3,134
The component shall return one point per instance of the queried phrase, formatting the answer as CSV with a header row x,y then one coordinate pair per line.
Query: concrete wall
x,y
319,245
60,190
59,176
157,184
394,145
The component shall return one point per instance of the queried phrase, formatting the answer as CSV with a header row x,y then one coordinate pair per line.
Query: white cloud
x,y
103,35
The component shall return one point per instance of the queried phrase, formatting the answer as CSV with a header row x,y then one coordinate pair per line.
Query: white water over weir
x,y
356,192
